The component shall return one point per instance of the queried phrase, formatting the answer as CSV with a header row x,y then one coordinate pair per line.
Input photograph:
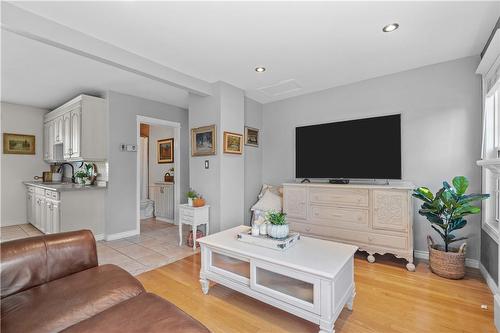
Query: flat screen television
x,y
367,148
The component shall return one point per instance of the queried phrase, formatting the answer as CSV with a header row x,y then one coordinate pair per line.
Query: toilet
x,y
147,208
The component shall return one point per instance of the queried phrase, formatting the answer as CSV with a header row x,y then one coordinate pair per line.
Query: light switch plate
x,y
207,164
128,148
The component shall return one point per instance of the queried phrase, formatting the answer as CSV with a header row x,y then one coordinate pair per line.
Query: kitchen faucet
x,y
72,170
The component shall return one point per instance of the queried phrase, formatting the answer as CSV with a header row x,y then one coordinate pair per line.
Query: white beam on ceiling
x,y
29,25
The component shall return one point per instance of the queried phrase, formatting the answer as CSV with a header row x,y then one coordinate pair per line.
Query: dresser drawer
x,y
354,218
187,212
351,236
339,196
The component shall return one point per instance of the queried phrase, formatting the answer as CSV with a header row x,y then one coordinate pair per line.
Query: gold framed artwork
x,y
165,151
20,144
203,141
233,143
251,136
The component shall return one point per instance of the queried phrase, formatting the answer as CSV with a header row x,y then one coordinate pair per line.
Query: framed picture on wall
x,y
20,144
233,143
165,151
203,141
251,136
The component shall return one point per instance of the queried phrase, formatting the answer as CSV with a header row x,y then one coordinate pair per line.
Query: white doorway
x,y
148,174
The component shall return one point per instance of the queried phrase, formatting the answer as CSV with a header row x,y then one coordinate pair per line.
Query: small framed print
x,y
20,144
165,151
203,141
251,136
233,143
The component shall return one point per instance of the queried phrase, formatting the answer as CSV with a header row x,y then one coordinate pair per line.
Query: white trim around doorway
x,y
177,164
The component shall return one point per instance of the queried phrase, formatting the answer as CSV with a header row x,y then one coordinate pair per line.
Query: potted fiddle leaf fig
x,y
446,211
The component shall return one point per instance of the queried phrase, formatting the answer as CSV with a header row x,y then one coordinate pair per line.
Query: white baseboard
x,y
489,280
121,235
425,255
164,219
496,311
99,237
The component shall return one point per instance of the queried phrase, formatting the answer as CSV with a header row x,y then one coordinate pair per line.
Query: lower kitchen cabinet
x,y
53,211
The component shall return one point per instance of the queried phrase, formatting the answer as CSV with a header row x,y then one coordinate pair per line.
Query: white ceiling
x,y
321,44
44,76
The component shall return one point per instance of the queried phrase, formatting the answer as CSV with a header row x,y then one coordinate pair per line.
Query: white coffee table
x,y
314,279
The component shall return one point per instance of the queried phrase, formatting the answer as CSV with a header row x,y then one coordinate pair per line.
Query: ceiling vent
x,y
281,88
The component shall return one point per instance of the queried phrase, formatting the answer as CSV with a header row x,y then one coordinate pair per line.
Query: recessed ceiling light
x,y
260,69
390,27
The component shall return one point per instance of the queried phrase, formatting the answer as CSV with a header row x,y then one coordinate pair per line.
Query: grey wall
x,y
441,128
253,157
157,170
489,255
20,119
122,186
223,183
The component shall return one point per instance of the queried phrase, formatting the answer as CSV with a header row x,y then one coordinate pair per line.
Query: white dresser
x,y
376,218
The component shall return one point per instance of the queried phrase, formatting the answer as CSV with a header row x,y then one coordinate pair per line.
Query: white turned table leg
x,y
180,233
410,265
204,286
370,258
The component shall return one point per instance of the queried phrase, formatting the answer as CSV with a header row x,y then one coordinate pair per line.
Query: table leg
x,y
351,299
194,237
206,229
204,285
180,233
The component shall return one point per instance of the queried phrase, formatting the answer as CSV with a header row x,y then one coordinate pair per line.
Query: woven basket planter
x,y
450,265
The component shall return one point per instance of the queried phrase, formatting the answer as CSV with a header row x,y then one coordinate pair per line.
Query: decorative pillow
x,y
268,201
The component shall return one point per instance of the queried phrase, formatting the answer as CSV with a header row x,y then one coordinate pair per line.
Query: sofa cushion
x,y
144,313
61,303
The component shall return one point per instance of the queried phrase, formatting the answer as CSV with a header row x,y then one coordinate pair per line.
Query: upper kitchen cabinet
x,y
76,131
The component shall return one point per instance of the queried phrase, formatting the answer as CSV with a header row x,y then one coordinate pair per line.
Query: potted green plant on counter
x,y
446,210
277,227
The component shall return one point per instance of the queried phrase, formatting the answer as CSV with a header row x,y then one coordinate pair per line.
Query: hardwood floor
x,y
389,299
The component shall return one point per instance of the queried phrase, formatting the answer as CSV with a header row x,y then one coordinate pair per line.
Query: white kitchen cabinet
x,y
67,135
58,129
51,210
76,132
80,125
30,204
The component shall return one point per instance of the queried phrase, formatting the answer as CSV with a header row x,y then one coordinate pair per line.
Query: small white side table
x,y
193,216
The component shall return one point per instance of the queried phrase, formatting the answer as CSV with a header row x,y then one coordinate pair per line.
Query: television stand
x,y
339,181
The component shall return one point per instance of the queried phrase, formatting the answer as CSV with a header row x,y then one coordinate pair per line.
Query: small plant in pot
x,y
277,227
81,177
191,195
446,210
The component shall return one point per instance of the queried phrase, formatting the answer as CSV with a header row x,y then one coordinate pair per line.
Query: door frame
x,y
177,163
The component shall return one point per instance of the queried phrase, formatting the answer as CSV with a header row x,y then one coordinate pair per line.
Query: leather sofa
x,y
53,283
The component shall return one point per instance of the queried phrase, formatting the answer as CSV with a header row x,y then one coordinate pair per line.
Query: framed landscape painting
x,y
251,136
203,141
165,151
18,144
233,143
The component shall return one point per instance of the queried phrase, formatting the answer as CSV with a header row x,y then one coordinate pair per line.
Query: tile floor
x,y
157,245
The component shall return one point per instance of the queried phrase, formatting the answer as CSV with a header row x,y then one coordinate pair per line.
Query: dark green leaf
x,y
461,184
439,232
457,239
472,198
465,210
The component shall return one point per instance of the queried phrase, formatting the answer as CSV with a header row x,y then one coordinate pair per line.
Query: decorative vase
x,y
450,265
198,202
190,202
263,228
255,230
278,231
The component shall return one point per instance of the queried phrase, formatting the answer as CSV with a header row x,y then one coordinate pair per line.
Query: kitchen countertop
x,y
63,187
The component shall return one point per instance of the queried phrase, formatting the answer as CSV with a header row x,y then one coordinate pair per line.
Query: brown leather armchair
x,y
53,283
